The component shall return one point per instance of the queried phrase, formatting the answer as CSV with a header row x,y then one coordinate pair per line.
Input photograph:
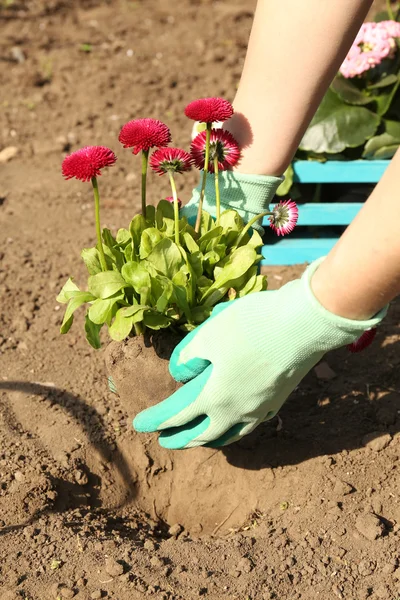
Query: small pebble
x,y
114,568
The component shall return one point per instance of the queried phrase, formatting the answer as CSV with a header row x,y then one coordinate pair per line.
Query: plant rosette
x,y
161,272
359,116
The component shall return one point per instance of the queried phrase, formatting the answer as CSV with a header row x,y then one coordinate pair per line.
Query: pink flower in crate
x,y
207,110
284,217
171,199
363,341
86,163
143,134
374,42
174,160
222,145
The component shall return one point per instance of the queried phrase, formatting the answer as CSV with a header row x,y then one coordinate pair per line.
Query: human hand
x,y
241,365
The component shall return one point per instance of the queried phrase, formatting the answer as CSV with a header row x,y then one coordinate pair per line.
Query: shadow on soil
x,y
92,425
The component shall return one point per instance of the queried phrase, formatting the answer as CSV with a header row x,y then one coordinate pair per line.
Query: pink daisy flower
x,y
284,217
223,146
143,134
171,199
174,160
207,110
86,163
363,341
374,42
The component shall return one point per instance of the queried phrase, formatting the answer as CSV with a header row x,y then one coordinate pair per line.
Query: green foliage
x,y
153,282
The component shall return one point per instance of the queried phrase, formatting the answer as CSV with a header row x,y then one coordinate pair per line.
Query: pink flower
x,y
86,163
374,42
207,110
175,160
170,199
363,341
143,134
223,146
284,217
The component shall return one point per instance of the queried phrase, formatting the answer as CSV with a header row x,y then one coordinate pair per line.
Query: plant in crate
x,y
359,115
161,276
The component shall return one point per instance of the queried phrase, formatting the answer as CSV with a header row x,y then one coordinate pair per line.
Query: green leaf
x,y
385,81
106,284
211,234
206,222
181,293
256,283
203,284
150,238
201,313
68,290
73,304
123,237
162,289
92,333
136,228
191,245
385,152
383,146
195,262
256,240
91,258
136,275
121,326
285,186
384,99
100,310
164,209
236,266
166,258
136,312
347,91
155,320
151,215
337,125
231,220
108,238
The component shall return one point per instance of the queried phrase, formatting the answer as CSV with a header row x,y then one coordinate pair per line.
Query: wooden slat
x,y
337,171
293,251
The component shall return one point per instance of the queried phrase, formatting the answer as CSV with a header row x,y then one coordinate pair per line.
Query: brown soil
x,y
318,494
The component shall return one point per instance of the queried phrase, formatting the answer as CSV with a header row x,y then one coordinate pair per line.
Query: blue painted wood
x,y
337,171
296,249
330,213
292,251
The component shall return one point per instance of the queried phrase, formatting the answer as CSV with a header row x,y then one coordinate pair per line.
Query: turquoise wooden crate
x,y
299,248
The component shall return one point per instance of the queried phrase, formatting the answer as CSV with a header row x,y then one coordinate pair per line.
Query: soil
x,y
305,507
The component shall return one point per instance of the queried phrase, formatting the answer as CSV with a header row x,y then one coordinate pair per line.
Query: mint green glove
x,y
242,364
249,195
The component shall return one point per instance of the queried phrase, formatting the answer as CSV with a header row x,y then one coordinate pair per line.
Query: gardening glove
x,y
249,195
244,361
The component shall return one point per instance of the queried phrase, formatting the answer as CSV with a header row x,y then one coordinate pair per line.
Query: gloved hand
x,y
249,195
243,362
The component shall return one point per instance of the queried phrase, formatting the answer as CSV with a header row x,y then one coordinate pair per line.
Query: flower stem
x,y
247,227
176,206
203,183
389,10
145,157
217,194
98,230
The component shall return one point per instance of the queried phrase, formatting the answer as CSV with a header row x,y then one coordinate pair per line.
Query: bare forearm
x,y
362,272
294,51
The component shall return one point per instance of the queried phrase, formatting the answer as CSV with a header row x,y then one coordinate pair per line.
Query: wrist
x,y
334,297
